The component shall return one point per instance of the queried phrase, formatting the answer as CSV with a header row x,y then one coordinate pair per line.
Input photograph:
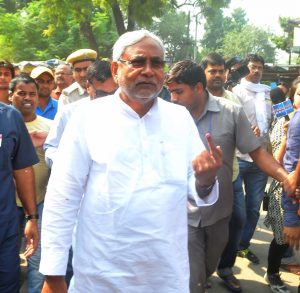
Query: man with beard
x,y
63,77
136,175
7,73
215,73
256,102
47,106
80,60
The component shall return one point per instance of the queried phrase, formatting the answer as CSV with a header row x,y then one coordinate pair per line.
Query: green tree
x,y
232,35
284,41
249,40
128,14
28,34
173,30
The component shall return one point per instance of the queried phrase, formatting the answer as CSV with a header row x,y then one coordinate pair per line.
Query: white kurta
x,y
135,174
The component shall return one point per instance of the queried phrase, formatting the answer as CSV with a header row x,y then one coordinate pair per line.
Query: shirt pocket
x,y
173,162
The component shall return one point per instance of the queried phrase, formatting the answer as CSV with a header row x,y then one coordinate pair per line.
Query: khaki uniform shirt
x,y
72,93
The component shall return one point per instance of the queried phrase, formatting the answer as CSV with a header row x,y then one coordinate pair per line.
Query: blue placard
x,y
283,109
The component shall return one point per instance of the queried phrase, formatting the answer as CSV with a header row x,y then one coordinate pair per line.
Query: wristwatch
x,y
31,217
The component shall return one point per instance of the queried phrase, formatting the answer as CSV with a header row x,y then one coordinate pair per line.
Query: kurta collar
x,y
128,110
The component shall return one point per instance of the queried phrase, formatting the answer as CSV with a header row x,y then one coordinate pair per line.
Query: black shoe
x,y
232,283
247,253
276,284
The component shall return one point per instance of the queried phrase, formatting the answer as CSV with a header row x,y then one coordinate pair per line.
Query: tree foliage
x,y
285,41
173,30
232,35
46,29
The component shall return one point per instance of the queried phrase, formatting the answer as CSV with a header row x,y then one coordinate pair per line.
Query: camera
x,y
235,76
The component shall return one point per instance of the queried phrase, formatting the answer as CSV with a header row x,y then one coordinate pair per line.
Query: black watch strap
x,y
31,217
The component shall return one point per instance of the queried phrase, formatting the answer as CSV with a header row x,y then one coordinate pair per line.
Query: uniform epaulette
x,y
67,91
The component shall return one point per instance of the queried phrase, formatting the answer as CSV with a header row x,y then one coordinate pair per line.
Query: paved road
x,y
250,275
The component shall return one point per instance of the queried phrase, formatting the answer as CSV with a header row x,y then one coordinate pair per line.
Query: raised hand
x,y
207,163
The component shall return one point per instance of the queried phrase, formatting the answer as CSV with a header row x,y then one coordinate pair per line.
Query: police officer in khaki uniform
x,y
80,60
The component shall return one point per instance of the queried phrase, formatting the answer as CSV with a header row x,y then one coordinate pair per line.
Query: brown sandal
x,y
292,268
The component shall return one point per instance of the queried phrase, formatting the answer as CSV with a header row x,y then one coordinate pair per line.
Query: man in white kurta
x,y
135,171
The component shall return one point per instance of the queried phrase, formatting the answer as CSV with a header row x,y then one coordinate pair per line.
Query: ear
x,y
114,70
199,87
10,96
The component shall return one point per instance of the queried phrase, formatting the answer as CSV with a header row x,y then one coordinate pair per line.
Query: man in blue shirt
x,y
45,79
17,155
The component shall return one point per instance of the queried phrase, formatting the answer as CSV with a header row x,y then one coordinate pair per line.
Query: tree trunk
x,y
87,31
118,16
131,21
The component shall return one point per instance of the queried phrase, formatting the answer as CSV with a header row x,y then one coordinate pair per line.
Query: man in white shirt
x,y
256,102
100,83
136,158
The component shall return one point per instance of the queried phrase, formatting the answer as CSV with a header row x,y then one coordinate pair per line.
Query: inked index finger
x,y
212,146
214,150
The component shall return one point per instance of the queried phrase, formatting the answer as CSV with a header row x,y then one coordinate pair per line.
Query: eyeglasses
x,y
141,63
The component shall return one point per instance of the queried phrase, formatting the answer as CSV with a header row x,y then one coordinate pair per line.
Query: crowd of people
x,y
122,176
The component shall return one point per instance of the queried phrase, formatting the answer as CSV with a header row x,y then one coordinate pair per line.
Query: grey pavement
x,y
250,275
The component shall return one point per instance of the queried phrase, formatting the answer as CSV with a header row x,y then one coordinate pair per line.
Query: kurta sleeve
x,y
65,191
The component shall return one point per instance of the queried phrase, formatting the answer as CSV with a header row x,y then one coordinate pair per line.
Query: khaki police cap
x,y
37,71
82,55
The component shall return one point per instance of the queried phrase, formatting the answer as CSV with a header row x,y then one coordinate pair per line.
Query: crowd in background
x,y
229,107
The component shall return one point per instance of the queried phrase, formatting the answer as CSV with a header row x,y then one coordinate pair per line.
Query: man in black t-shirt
x,y
17,155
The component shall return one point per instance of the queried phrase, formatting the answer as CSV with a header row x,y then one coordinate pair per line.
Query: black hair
x,y
22,78
254,58
6,64
233,61
187,72
212,59
100,70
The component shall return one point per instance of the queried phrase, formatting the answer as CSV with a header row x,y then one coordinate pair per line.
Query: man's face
x,y
79,72
25,98
46,85
185,95
98,89
215,77
140,72
256,70
5,78
63,76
